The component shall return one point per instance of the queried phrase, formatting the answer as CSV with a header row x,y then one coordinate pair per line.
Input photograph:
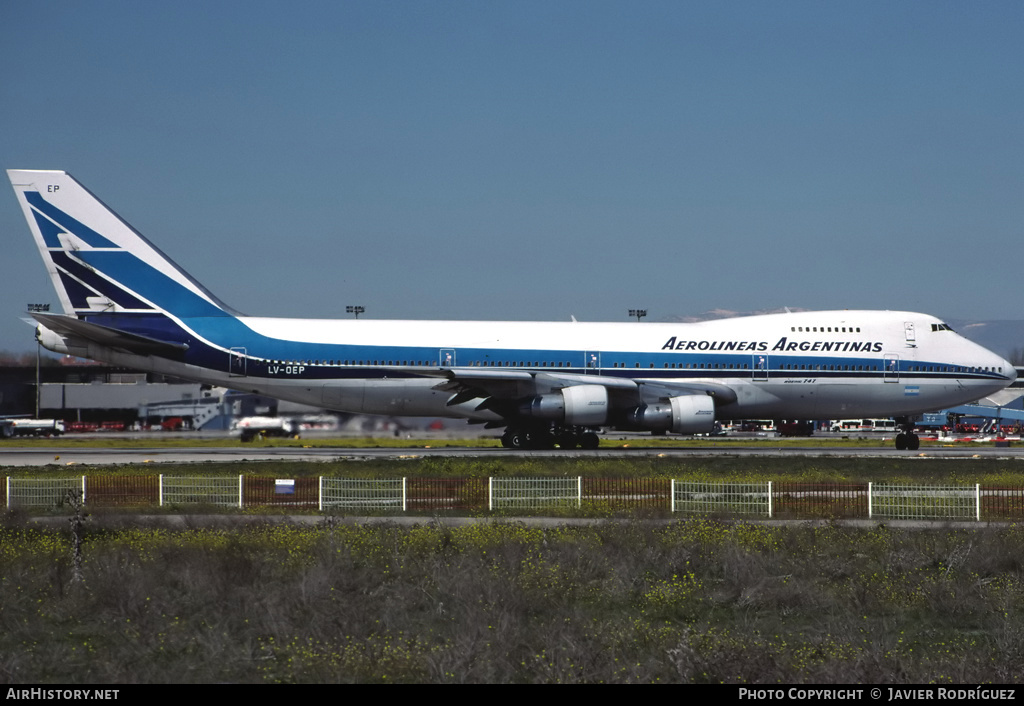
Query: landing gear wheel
x,y
542,440
568,440
518,440
589,440
906,439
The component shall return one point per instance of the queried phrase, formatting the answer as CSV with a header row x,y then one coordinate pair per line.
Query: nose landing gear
x,y
906,439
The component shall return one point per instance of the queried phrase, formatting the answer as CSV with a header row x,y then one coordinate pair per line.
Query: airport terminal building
x,y
89,396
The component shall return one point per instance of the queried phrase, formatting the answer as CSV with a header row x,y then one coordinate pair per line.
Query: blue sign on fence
x,y
284,486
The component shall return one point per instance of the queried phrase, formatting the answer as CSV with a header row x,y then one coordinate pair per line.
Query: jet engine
x,y
687,414
579,405
59,343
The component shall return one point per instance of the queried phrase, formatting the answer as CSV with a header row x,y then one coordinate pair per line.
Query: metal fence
x,y
298,493
42,492
707,498
615,494
205,490
534,493
439,495
924,502
362,494
999,503
819,500
446,494
122,491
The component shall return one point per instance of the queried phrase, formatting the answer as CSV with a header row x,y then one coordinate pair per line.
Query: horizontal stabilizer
x,y
109,337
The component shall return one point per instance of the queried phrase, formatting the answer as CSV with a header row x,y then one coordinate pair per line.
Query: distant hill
x,y
722,314
1002,336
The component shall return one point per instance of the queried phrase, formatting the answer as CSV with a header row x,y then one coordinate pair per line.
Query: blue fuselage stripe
x,y
210,338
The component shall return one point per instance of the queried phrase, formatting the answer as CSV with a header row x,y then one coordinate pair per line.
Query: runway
x,y
61,456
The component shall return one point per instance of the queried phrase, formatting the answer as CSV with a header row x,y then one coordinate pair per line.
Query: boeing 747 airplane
x,y
546,383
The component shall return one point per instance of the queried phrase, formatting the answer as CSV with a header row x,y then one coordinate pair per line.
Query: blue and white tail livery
x,y
548,383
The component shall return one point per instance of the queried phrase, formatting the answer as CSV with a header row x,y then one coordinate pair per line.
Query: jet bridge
x,y
987,411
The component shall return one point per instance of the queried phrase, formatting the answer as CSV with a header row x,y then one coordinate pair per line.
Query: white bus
x,y
859,425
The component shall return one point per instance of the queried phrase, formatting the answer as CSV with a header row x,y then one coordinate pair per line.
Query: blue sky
x,y
534,160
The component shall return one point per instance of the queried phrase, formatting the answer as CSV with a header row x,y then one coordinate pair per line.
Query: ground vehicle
x,y
796,428
173,424
882,425
754,425
858,425
263,427
31,427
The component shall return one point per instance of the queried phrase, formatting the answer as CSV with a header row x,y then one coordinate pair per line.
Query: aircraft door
x,y
908,330
892,368
446,358
591,363
759,364
237,362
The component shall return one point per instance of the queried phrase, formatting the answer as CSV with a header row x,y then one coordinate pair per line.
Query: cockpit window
x,y
941,327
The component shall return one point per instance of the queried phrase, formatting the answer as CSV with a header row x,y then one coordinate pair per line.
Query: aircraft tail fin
x,y
98,263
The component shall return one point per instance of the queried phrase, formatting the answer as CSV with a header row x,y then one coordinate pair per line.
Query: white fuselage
x,y
807,365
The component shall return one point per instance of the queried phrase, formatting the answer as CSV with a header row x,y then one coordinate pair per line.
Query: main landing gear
x,y
549,438
906,439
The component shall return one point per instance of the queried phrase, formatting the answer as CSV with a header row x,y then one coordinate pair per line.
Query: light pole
x,y
638,313
38,308
357,310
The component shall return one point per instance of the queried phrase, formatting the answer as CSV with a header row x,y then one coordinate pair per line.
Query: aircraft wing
x,y
109,337
470,383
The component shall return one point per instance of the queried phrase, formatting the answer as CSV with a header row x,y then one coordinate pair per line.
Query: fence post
x,y
239,491
320,493
83,490
579,491
161,494
490,493
870,513
403,494
672,497
769,500
977,501
8,492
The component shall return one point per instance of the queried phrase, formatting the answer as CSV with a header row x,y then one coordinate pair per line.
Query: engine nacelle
x,y
686,414
579,405
53,341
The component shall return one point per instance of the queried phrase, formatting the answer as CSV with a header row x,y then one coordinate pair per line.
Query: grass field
x,y
741,468
693,601
696,600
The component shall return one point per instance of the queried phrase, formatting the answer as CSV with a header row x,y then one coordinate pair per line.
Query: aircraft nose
x,y
1004,367
1012,371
